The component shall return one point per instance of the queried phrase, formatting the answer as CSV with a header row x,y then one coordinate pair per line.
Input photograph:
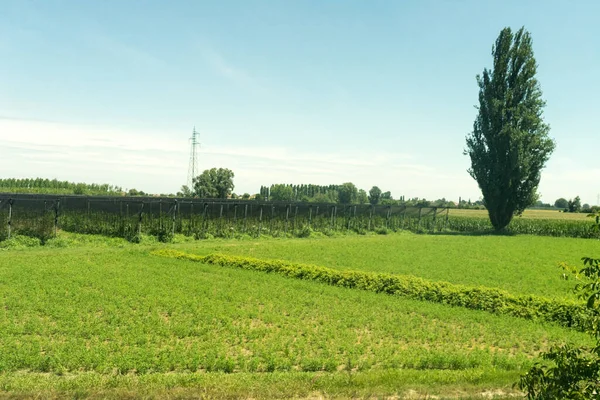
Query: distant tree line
x,y
54,186
574,205
348,193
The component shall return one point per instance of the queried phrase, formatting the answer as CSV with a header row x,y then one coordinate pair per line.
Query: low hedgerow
x,y
493,300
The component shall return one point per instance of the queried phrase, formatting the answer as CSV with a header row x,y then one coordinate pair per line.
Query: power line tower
x,y
193,166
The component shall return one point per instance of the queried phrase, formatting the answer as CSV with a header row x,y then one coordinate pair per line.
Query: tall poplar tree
x,y
509,145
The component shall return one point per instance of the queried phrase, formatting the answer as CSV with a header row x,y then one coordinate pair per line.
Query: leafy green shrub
x,y
493,300
572,372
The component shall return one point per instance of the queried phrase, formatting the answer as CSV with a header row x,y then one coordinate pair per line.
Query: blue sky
x,y
372,92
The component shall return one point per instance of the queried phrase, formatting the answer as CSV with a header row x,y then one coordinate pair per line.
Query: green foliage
x,y
374,195
185,192
509,144
280,192
347,193
47,186
572,372
477,298
574,205
561,203
214,183
362,197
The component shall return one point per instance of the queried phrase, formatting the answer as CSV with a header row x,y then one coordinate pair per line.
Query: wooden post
x,y
260,220
295,221
331,223
419,221
287,216
446,221
160,216
271,220
387,218
370,216
10,204
141,213
204,222
191,223
221,220
309,216
56,207
174,218
349,216
245,218
434,217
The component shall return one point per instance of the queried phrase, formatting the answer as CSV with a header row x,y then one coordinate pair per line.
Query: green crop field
x,y
116,321
528,214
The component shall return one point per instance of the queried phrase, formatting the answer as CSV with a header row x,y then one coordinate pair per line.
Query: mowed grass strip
x,y
118,311
521,265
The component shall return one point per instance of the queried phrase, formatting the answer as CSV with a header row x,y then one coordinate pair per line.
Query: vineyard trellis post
x,y
287,217
419,221
271,220
140,215
295,221
388,216
434,219
191,223
370,216
204,222
174,218
10,204
260,220
160,215
446,221
56,213
348,215
245,218
221,220
309,216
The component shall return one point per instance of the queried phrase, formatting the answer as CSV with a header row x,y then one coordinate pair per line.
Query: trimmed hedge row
x,y
492,300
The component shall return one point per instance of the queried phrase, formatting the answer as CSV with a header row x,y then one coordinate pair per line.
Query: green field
x,y
528,214
115,321
519,264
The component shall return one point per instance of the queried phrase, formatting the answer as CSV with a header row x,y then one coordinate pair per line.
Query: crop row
x,y
492,300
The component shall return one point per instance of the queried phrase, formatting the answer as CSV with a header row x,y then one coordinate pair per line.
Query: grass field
x,y
528,214
117,322
518,264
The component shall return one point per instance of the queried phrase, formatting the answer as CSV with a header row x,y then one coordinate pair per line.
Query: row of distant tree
x,y
574,205
54,186
218,183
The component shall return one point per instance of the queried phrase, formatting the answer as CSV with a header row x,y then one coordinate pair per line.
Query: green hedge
x,y
493,300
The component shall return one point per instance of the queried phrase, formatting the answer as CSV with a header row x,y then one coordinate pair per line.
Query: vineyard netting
x,y
42,216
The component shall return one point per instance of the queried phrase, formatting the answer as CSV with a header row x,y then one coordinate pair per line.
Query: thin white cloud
x,y
228,70
122,51
159,163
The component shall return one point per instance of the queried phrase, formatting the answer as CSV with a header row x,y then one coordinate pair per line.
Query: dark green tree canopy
x,y
214,183
347,193
362,197
509,144
281,192
374,195
561,203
